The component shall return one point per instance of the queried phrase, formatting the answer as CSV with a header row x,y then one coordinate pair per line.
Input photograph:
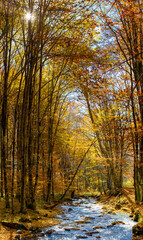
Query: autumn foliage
x,y
71,104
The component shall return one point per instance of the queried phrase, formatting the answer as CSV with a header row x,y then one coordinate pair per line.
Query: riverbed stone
x,y
80,236
97,227
67,229
70,209
89,218
41,234
82,222
91,233
75,229
115,223
35,229
65,219
49,232
110,212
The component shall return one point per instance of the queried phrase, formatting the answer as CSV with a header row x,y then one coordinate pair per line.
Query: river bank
x,y
32,220
44,217
86,218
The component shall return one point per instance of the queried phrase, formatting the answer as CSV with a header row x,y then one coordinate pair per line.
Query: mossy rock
x,y
137,216
138,229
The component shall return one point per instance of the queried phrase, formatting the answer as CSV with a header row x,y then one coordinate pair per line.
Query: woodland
x,y
71,99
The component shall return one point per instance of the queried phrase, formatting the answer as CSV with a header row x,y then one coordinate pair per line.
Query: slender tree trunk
x,y
13,167
23,146
39,118
6,62
18,169
136,149
1,184
43,173
50,148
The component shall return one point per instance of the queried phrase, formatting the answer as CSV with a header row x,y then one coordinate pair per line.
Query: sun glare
x,y
29,16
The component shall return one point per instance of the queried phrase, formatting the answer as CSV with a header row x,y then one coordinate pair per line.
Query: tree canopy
x,y
71,98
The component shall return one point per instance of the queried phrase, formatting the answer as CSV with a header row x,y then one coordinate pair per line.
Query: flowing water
x,y
85,219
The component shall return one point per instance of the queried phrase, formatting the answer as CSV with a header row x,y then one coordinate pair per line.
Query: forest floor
x,y
44,217
124,202
35,220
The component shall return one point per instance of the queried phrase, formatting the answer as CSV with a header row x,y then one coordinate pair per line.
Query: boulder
x,y
136,216
138,229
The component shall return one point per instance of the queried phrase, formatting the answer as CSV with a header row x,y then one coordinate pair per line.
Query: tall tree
x,y
126,27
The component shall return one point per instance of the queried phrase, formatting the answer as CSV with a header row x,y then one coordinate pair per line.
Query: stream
x,y
85,219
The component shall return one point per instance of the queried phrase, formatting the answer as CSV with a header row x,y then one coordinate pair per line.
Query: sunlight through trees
x,y
71,99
